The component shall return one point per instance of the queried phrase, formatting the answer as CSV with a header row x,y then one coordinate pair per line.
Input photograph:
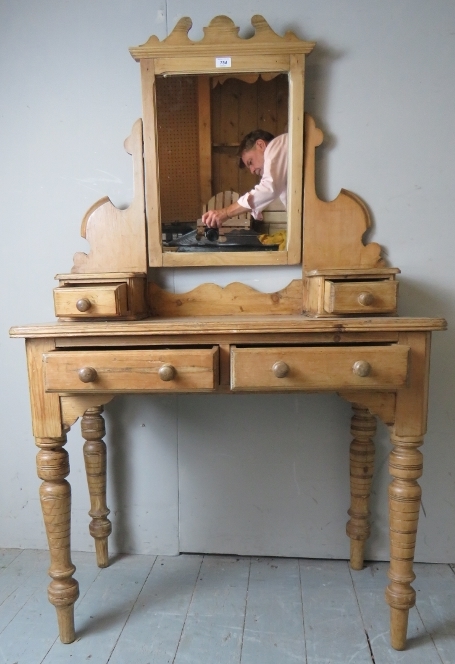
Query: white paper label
x,y
223,62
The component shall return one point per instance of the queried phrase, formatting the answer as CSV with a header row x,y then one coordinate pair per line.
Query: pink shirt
x,y
274,180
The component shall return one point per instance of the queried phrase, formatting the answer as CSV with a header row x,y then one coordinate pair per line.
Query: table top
x,y
244,324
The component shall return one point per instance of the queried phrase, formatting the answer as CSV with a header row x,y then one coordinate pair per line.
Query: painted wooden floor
x,y
196,609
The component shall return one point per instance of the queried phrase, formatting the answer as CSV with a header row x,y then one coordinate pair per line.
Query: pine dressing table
x,y
335,329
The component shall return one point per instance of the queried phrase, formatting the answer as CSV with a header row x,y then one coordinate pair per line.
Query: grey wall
x,y
243,474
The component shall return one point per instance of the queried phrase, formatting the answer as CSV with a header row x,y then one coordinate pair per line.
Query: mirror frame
x,y
178,55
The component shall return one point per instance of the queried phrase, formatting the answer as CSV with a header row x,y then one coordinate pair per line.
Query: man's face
x,y
254,158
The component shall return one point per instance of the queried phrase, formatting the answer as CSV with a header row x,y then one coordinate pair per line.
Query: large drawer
x,y
175,370
319,368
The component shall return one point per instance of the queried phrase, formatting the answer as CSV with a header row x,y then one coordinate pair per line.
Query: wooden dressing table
x,y
335,329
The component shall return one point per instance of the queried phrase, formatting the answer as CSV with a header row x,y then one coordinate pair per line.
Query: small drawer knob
x,y
87,374
167,372
83,304
280,369
361,368
365,298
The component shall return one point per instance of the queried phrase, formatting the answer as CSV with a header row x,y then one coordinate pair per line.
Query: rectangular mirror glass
x,y
200,121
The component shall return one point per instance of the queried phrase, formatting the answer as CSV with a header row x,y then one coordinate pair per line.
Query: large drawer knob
x,y
87,374
365,298
167,372
280,369
361,368
83,304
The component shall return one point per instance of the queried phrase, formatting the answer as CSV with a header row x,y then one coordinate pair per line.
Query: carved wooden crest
x,y
222,32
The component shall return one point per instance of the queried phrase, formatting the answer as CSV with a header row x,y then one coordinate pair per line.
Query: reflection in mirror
x,y
201,120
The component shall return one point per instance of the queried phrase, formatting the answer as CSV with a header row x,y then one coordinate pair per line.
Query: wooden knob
x,y
167,372
361,368
83,304
87,374
365,299
280,369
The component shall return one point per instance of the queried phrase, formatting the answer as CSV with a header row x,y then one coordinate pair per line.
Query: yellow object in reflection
x,y
277,238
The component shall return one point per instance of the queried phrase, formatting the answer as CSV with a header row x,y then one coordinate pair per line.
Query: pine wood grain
x,y
206,64
361,465
223,258
236,298
318,368
93,431
222,32
132,370
103,295
73,407
285,324
295,158
45,407
346,297
52,463
151,171
333,230
103,300
378,403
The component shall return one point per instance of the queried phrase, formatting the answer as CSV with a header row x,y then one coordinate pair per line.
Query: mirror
x,y
200,123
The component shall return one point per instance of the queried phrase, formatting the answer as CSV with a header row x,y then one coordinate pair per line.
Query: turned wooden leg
x,y
93,431
405,466
363,429
55,495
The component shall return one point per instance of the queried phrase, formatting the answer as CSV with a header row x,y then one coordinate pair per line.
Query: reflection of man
x,y
266,157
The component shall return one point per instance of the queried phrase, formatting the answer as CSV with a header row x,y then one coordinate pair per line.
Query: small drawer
x,y
321,368
175,370
360,297
97,301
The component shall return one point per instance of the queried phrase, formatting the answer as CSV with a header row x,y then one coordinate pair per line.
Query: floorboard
x,y
435,587
274,619
31,630
369,586
103,611
334,630
216,614
7,556
24,574
195,609
154,628
27,631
